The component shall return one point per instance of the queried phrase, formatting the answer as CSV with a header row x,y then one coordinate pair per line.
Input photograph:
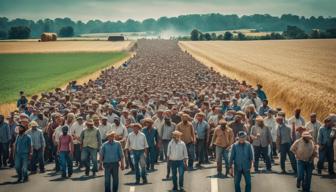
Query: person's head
x,y
265,102
148,122
167,121
328,122
242,136
159,113
260,121
306,136
136,127
259,86
104,120
80,120
89,124
116,121
2,118
237,118
65,130
200,116
185,118
297,112
222,123
22,129
33,125
176,135
110,135
235,101
313,117
280,120
24,122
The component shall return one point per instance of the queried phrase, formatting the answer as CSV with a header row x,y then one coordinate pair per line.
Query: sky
x,y
141,9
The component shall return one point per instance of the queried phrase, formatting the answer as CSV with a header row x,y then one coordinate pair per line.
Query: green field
x,y
40,72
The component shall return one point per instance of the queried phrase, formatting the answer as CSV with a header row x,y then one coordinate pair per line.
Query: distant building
x,y
116,38
48,37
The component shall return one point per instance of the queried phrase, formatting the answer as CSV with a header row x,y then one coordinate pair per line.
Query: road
x,y
199,180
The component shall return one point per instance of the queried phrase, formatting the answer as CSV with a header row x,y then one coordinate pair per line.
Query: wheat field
x,y
63,46
294,73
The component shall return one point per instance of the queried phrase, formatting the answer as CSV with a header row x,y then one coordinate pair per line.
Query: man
x,y
188,137
242,158
260,92
175,118
167,130
12,126
264,108
76,131
152,138
121,136
5,138
104,128
261,139
23,152
137,145
223,138
313,126
296,121
325,142
305,151
111,157
202,130
237,125
271,124
177,154
284,141
235,106
65,151
38,144
90,142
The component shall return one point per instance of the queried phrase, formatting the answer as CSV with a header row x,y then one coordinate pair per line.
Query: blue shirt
x,y
201,129
111,152
323,137
23,144
261,94
5,135
241,156
263,110
152,136
235,107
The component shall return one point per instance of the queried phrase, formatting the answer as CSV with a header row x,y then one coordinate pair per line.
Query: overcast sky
x,y
142,9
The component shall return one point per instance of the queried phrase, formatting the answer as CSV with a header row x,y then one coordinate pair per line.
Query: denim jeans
x,y
237,178
177,165
284,151
258,150
221,154
4,153
165,148
139,163
77,153
21,165
151,157
326,152
66,162
191,155
201,150
111,170
38,157
305,169
88,154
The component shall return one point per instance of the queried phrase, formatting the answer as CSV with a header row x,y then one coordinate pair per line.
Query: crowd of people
x,y
163,106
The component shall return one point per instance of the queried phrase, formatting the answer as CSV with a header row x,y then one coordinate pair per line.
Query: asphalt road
x,y
203,180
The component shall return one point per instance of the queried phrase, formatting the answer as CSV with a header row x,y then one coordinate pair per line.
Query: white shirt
x,y
158,124
76,130
177,150
136,141
111,117
298,122
103,129
258,103
271,123
313,128
120,130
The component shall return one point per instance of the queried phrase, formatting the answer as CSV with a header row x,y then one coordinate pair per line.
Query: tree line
x,y
182,23
291,32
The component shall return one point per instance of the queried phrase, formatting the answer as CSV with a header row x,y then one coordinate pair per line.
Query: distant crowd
x,y
163,106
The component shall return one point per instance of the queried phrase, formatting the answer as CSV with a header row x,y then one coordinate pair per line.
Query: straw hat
x,y
89,122
306,134
176,133
259,118
111,133
33,124
148,120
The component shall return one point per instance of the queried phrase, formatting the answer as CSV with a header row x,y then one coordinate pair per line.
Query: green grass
x,y
40,72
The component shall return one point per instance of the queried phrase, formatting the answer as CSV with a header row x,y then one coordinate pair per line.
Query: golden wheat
x,y
294,73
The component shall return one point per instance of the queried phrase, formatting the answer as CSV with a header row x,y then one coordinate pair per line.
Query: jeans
x,y
237,178
284,151
201,150
4,153
151,157
38,157
221,154
66,161
77,153
177,165
305,170
139,160
165,148
129,159
326,152
111,169
191,155
88,154
21,165
258,150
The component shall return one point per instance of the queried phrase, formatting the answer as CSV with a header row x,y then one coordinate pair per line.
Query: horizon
x,y
122,10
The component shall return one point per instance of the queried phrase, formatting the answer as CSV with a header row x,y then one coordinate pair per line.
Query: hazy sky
x,y
142,9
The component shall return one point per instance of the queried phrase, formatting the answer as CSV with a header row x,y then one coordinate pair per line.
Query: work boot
x,y
227,172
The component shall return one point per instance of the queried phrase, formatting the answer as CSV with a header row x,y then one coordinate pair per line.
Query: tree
x,y
213,36
331,33
220,37
315,34
276,36
19,32
3,34
241,36
207,36
195,35
228,35
66,32
293,32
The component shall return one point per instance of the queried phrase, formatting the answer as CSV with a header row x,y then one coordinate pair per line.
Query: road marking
x,y
132,189
214,185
